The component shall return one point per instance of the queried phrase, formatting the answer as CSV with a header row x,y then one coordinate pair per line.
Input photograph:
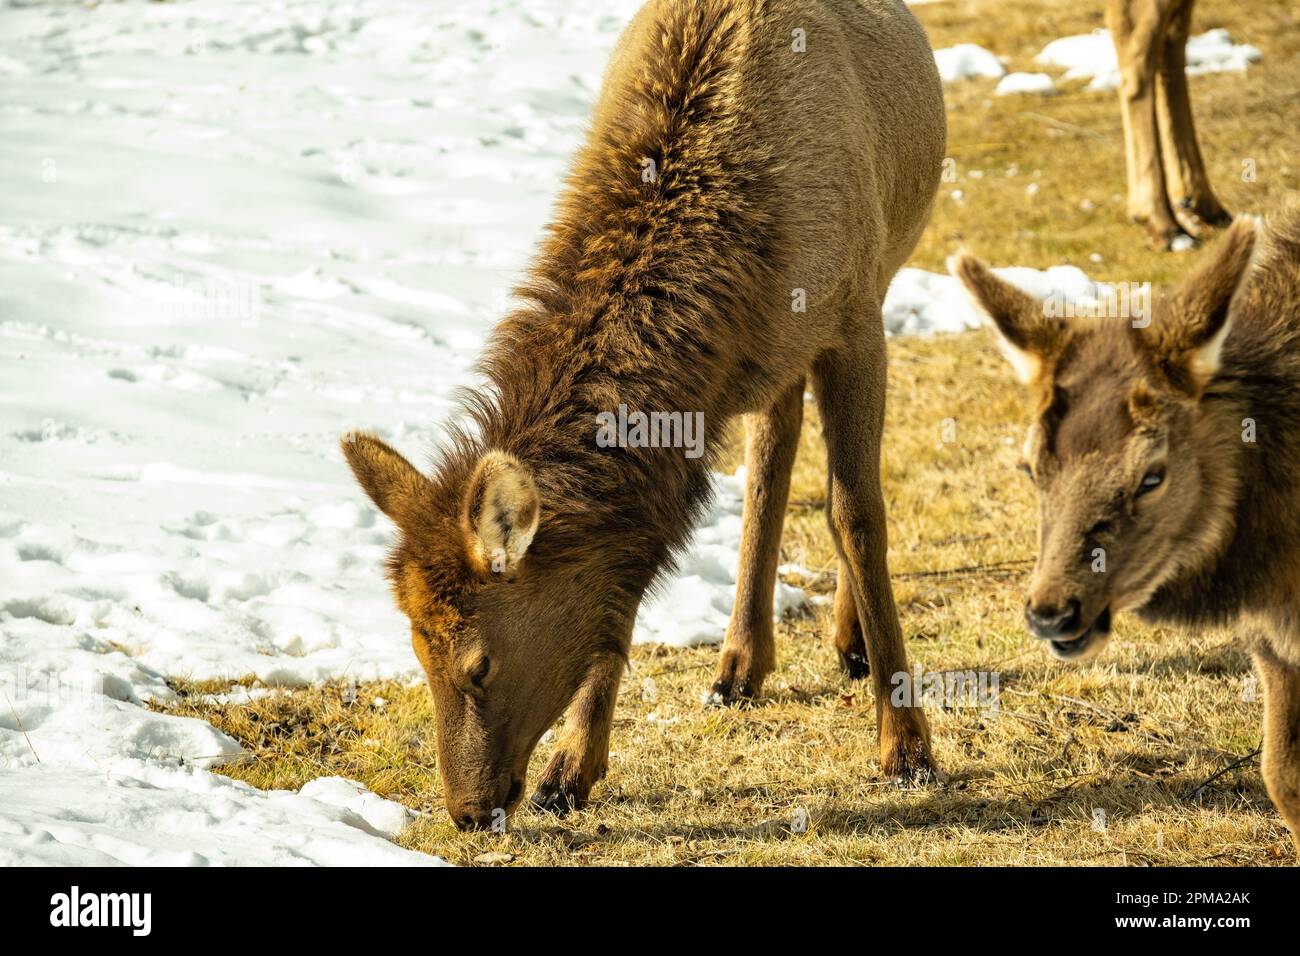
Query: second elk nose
x,y
1052,622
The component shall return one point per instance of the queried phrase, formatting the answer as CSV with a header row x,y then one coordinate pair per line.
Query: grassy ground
x,y
1118,761
1040,181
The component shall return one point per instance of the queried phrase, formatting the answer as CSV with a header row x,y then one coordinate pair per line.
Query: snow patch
x,y
692,606
1092,56
135,813
1038,84
920,302
966,60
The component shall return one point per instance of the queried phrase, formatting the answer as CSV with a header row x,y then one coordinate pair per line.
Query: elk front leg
x,y
749,651
583,754
1280,764
1186,181
1138,31
850,389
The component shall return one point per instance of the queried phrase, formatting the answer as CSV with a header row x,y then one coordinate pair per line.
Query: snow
x,y
1092,56
920,302
1039,84
138,813
235,230
1214,52
966,60
692,606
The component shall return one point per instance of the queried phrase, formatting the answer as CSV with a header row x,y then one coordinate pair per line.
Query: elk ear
x,y
1027,335
1188,343
392,482
502,511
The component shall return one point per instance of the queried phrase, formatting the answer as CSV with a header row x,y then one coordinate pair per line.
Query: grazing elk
x,y
1168,189
1173,452
755,173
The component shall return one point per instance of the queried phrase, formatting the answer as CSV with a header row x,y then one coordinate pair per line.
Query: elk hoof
x,y
1170,239
1164,232
854,664
727,692
915,777
1209,212
908,763
905,747
1219,219
737,682
553,798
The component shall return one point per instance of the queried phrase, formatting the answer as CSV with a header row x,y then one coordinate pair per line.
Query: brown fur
x,y
776,171
1168,188
1217,541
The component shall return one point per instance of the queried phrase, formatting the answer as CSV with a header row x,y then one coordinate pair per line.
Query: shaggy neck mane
x,y
660,248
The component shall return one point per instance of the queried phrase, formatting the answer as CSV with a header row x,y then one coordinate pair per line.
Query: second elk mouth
x,y
1076,647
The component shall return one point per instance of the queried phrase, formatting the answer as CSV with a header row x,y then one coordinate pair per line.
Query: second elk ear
x,y
1027,335
501,514
1187,342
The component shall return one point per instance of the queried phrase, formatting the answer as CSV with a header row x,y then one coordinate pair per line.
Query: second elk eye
x,y
479,671
1152,480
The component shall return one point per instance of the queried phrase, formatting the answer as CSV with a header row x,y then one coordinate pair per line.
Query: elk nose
x,y
1052,622
466,820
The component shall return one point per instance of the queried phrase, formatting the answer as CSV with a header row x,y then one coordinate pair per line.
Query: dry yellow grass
x,y
1132,736
1070,146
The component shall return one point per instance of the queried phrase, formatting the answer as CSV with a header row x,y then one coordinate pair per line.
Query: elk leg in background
x,y
1138,31
1187,183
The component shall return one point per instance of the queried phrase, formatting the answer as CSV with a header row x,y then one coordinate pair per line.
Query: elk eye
x,y
479,672
1152,480
1029,472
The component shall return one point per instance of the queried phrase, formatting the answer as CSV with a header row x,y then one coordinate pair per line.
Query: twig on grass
x,y
993,569
679,668
1197,790
1103,711
23,730
1062,125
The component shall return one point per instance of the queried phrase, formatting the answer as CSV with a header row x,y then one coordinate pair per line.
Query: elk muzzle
x,y
479,814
